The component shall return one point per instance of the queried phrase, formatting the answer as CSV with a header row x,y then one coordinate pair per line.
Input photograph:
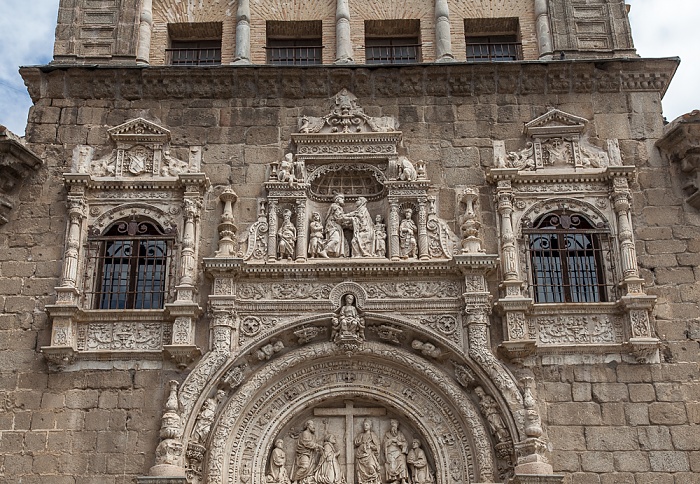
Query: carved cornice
x,y
586,175
17,162
455,79
681,144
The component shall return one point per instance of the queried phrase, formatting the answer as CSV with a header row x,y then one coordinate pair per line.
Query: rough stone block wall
x,y
608,423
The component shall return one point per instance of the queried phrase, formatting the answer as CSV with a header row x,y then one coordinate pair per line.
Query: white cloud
x,y
661,28
26,38
667,28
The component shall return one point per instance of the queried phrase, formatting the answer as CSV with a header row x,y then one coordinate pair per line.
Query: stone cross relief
x,y
317,457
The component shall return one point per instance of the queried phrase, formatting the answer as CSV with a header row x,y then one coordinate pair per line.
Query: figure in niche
x,y
349,323
205,419
379,237
336,245
395,450
362,229
287,236
328,471
317,244
406,170
306,455
285,172
407,236
489,408
278,470
367,455
420,471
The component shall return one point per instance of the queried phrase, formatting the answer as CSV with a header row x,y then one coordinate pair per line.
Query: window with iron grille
x,y
294,43
194,53
493,39
132,266
568,257
402,50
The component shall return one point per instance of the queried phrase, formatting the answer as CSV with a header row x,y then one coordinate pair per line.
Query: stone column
x,y
343,43
76,215
443,36
544,33
242,33
143,51
510,253
423,249
301,231
272,230
393,229
628,253
227,228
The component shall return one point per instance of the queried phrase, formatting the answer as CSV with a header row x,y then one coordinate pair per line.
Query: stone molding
x,y
17,162
681,144
451,79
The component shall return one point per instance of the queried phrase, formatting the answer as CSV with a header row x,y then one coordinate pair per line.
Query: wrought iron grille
x,y
392,51
297,55
194,56
491,50
568,258
132,266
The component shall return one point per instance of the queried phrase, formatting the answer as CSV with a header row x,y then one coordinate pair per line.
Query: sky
x,y
661,28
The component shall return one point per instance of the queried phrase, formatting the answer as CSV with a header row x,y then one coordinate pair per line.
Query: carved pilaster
x,y
242,33
272,230
505,210
76,215
393,229
443,43
423,249
628,254
300,209
343,42
192,207
222,328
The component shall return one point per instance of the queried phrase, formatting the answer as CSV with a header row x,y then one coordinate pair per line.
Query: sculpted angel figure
x,y
367,456
420,471
287,236
278,470
489,408
205,419
285,171
328,470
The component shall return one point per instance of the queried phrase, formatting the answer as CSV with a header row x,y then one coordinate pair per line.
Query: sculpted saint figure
x,y
348,322
367,456
278,459
328,471
202,425
287,236
489,408
306,455
336,245
362,229
395,450
420,471
317,244
407,236
379,237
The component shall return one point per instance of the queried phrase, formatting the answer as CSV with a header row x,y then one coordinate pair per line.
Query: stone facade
x,y
347,273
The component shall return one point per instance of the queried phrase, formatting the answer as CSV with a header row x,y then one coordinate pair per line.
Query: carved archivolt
x,y
538,208
408,386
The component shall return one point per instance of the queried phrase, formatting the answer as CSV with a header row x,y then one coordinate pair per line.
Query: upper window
x,y
132,266
493,39
194,44
294,43
567,256
392,41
